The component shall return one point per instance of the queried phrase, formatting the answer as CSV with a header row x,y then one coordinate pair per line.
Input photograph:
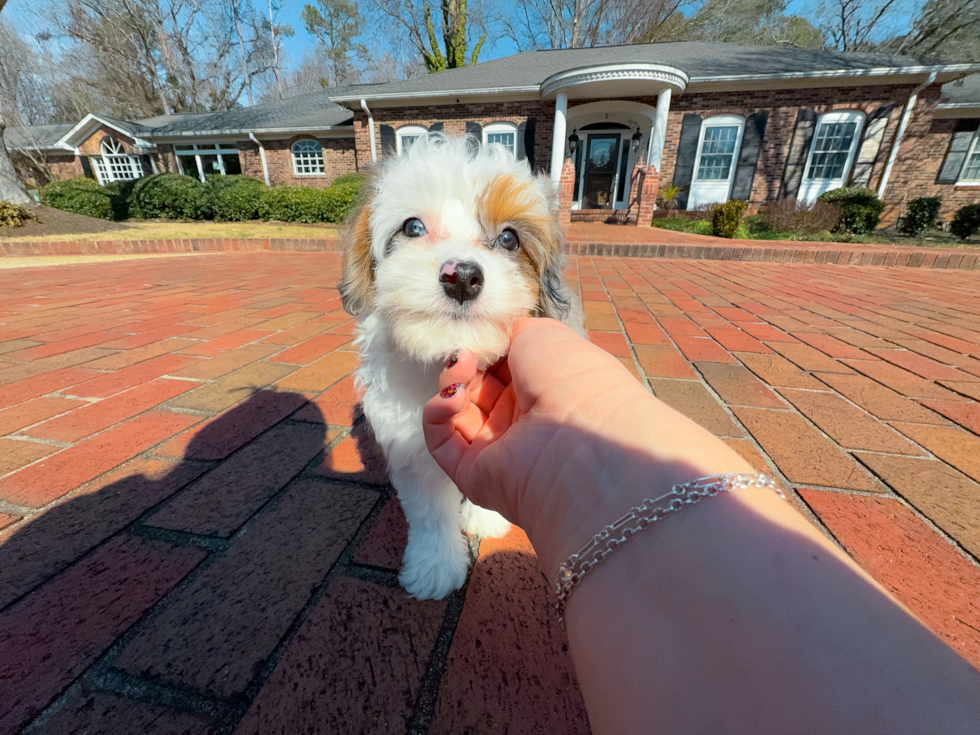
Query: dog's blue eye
x,y
413,228
508,240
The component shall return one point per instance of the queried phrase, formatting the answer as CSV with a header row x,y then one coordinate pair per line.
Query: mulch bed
x,y
55,222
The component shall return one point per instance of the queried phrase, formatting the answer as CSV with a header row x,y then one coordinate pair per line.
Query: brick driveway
x,y
197,534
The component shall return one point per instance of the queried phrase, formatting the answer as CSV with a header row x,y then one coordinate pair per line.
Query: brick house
x,y
609,125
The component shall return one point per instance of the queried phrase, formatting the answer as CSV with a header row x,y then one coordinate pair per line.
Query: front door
x,y
601,158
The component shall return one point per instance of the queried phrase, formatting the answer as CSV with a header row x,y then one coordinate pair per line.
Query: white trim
x,y
716,121
806,193
320,131
973,151
408,131
86,121
526,89
606,73
310,156
625,142
617,107
205,149
370,117
878,71
897,142
558,138
500,128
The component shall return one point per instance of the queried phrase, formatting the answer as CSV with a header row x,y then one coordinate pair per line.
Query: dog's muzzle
x,y
461,281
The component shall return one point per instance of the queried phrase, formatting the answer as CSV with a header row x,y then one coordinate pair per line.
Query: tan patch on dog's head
x,y
357,281
522,206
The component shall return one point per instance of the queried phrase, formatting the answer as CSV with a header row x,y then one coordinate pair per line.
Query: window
x,y
715,160
971,169
115,164
408,134
203,160
307,158
504,134
717,152
834,145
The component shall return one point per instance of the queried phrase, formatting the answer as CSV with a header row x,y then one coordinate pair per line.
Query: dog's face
x,y
453,243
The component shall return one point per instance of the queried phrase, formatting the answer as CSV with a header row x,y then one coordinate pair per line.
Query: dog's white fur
x,y
408,325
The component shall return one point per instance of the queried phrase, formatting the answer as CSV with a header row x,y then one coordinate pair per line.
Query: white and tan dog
x,y
453,243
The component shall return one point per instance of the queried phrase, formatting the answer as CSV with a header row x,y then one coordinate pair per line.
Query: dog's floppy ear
x,y
552,291
357,281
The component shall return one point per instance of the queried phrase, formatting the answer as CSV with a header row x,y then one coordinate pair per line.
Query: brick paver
x,y
196,532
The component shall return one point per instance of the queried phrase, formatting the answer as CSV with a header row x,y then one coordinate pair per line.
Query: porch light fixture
x,y
572,142
637,137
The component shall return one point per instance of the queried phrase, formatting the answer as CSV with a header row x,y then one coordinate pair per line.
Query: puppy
x,y
452,244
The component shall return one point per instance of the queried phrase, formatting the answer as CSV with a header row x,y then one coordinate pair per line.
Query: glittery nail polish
x,y
452,359
450,390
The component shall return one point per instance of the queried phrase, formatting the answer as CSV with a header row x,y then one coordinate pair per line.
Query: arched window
x,y
115,164
408,134
504,134
307,158
835,143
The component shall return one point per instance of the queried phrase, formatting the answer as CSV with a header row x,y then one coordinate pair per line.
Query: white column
x,y
558,139
659,132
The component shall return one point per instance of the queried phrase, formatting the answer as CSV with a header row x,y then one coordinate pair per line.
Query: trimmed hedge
x,y
170,196
79,195
231,198
966,221
860,209
312,206
727,217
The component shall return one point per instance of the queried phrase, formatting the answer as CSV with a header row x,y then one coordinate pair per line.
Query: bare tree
x,y
948,29
442,32
851,25
11,188
276,33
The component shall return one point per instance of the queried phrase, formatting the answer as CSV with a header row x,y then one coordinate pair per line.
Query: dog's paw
x,y
434,566
484,523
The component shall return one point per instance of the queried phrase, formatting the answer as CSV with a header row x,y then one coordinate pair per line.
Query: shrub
x,y
79,195
171,196
351,178
14,215
668,195
342,199
231,198
860,209
920,214
682,224
790,215
727,217
293,204
966,221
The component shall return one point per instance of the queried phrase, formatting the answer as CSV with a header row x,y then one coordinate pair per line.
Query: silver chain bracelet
x,y
570,573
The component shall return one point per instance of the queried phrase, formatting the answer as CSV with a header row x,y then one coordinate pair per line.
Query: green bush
x,y
966,221
352,178
14,215
727,218
342,199
231,198
920,214
683,224
860,209
170,196
79,195
293,204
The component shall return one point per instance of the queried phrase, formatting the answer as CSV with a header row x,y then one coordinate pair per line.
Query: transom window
x,y
833,146
115,164
717,152
307,158
504,134
407,135
971,169
205,159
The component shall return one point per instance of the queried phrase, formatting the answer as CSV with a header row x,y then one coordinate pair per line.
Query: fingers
x,y
444,442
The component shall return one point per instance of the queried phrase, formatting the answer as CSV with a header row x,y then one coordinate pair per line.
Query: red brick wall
x,y
454,118
38,169
339,157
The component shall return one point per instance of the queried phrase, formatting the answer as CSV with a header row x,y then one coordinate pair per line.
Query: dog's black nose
x,y
461,281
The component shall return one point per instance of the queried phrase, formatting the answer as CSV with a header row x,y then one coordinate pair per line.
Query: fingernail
x,y
452,359
450,390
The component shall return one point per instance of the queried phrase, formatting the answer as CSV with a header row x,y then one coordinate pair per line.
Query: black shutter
x,y
521,147
799,150
146,165
873,134
527,138
476,130
388,145
959,146
436,127
87,168
748,156
687,152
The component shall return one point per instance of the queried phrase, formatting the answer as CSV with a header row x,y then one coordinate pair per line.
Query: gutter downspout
x,y
374,146
906,114
265,167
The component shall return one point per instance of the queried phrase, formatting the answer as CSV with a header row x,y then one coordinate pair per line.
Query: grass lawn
x,y
167,230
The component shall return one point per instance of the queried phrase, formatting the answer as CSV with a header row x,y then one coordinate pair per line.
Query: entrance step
x,y
607,216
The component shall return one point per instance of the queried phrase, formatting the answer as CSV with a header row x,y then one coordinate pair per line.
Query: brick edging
x,y
14,248
876,256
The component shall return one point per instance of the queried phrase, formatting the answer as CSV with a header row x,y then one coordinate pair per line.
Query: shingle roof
x,y
699,60
964,92
34,136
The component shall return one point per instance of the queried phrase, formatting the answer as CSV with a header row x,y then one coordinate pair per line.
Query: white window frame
x,y
810,189
207,149
114,164
722,187
499,128
408,131
310,161
974,151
